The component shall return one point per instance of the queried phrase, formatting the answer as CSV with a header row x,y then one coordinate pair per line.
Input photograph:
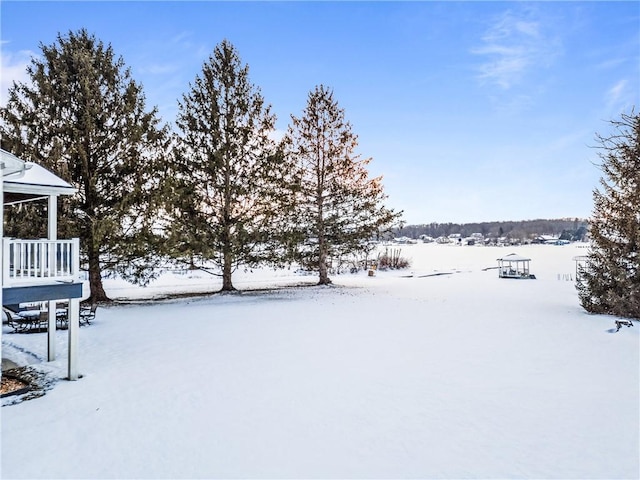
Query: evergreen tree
x,y
82,116
228,176
26,220
610,282
339,208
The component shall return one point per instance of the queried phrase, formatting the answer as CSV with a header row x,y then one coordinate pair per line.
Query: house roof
x,y
32,182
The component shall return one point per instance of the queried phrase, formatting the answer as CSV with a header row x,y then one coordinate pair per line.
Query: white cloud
x,y
160,68
575,140
13,68
620,97
184,42
611,63
616,94
514,46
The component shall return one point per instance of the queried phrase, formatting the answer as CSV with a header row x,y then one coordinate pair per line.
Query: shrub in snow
x,y
392,259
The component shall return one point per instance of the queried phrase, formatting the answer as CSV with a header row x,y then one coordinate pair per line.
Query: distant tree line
x,y
215,191
565,228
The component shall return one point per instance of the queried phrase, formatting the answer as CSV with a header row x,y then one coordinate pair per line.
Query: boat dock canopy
x,y
514,266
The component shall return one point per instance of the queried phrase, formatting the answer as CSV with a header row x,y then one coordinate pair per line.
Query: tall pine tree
x,y
229,186
82,116
610,282
339,208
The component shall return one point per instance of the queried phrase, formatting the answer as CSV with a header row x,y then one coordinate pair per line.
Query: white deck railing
x,y
31,262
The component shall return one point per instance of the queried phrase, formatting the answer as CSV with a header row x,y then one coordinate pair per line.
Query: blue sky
x,y
472,111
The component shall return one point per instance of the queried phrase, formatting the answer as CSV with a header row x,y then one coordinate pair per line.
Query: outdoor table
x,y
32,317
28,321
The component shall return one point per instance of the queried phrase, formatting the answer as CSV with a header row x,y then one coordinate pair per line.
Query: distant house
x,y
546,239
404,241
44,270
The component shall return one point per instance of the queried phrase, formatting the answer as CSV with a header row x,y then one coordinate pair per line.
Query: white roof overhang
x,y
30,182
10,164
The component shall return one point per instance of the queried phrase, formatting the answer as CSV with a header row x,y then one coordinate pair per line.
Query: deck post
x,y
51,332
50,256
74,328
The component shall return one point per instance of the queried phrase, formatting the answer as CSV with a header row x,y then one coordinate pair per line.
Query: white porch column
x,y
52,221
74,327
52,234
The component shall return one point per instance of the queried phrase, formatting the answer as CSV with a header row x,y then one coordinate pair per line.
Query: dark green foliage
x,y
83,117
339,208
566,235
610,282
26,220
230,187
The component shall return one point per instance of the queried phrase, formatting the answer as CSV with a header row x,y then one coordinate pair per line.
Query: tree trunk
x,y
322,267
227,286
95,279
322,242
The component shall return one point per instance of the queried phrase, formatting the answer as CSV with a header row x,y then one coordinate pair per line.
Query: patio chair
x,y
15,321
41,322
62,318
88,314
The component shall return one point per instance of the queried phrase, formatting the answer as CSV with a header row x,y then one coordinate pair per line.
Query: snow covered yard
x,y
454,376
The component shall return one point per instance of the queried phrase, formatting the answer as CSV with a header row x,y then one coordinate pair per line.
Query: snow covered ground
x,y
453,376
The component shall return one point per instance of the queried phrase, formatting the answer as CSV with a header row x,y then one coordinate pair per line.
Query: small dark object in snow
x,y
621,323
